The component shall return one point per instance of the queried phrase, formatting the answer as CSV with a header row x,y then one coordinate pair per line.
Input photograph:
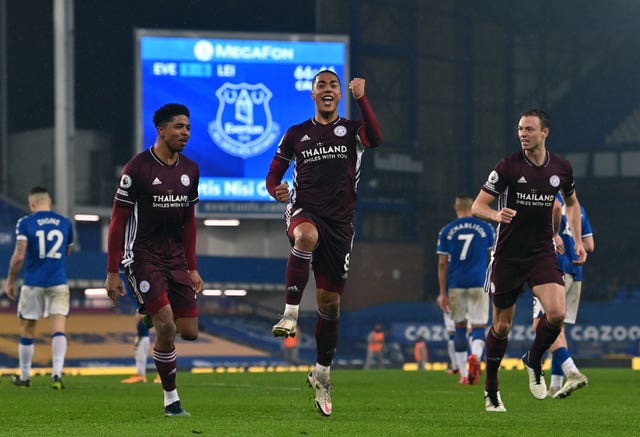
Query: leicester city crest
x,y
243,126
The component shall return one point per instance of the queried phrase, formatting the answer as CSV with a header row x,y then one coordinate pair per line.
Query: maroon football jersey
x,y
326,166
159,195
531,191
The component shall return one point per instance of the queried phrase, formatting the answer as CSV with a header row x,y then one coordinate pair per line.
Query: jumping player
x,y
326,151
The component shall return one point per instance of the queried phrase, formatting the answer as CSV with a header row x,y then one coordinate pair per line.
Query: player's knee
x,y
189,336
329,307
165,329
306,241
555,318
306,236
502,328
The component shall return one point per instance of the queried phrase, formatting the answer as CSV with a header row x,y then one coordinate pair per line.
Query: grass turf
x,y
365,403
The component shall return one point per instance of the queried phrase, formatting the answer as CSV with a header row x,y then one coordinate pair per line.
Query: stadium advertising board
x,y
243,91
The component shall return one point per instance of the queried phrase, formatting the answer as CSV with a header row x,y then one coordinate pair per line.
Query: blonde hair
x,y
464,202
39,198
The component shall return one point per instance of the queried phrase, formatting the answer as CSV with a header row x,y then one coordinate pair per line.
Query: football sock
x,y
556,381
166,367
322,373
477,342
496,348
25,354
546,334
451,349
58,352
461,344
558,357
326,333
170,396
297,275
291,310
568,366
461,358
141,353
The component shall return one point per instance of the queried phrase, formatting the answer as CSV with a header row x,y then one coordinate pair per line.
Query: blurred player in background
x,y
141,352
142,343
421,352
526,184
291,348
375,348
561,362
326,151
43,241
153,234
463,255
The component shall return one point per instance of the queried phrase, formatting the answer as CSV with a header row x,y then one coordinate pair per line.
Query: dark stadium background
x,y
448,80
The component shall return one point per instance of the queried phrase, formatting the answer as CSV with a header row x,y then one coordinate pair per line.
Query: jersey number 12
x,y
53,235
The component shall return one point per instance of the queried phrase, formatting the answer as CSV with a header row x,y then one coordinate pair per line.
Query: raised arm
x,y
372,134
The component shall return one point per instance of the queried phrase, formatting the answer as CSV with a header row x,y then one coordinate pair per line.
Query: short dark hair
x,y
545,121
165,113
37,190
326,70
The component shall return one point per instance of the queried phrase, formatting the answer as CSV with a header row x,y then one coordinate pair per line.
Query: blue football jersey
x,y
467,242
48,235
569,255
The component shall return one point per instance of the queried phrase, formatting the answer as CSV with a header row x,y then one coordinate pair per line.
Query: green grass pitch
x,y
365,403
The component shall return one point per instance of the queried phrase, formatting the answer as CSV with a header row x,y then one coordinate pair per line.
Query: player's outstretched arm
x,y
372,135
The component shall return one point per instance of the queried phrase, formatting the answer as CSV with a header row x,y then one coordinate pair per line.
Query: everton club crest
x,y
243,126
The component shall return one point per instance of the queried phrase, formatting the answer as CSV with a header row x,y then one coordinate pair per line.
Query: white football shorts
x,y
572,289
470,304
37,302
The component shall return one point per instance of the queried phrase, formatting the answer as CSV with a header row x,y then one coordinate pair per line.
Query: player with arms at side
x,y
153,235
43,241
326,151
561,361
526,184
463,255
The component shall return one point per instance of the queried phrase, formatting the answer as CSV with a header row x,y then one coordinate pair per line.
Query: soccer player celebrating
x,y
326,151
526,184
153,235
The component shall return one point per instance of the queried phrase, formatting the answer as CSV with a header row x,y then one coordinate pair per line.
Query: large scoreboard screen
x,y
243,92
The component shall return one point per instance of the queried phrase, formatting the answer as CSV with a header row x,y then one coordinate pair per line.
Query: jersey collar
x,y
160,161
531,164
